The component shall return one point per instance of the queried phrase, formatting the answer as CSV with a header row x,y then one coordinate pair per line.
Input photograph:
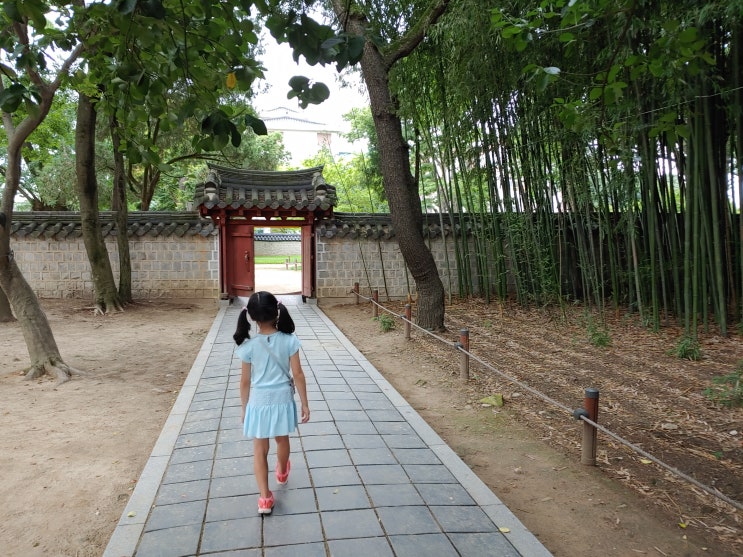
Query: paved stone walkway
x,y
369,477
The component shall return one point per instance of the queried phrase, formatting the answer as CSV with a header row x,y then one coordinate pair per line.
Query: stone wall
x,y
289,245
162,267
172,255
176,255
375,265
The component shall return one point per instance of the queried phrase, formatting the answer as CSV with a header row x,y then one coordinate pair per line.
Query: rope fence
x,y
588,414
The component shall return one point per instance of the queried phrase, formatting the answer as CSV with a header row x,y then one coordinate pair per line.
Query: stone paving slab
x,y
369,476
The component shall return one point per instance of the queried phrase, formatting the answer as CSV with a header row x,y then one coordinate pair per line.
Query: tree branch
x,y
408,42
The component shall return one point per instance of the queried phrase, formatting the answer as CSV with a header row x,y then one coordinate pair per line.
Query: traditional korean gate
x,y
238,200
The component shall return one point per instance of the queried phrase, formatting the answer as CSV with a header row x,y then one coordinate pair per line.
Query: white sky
x,y
280,67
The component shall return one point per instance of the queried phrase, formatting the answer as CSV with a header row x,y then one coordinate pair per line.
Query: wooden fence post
x,y
588,447
408,318
375,297
356,291
464,362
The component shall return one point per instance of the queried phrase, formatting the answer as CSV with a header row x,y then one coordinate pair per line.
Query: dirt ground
x,y
528,451
70,455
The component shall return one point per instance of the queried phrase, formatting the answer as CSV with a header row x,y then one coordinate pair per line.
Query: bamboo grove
x,y
593,149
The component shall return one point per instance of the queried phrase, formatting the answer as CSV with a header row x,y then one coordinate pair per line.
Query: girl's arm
x,y
244,387
300,383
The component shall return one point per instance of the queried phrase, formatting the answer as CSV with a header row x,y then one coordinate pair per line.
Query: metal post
x,y
356,291
375,297
408,318
464,363
588,447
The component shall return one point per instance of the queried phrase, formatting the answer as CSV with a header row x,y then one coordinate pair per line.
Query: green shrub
x,y
688,349
727,390
598,336
386,322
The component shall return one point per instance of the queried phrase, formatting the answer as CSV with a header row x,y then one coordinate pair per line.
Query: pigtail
x,y
242,331
284,321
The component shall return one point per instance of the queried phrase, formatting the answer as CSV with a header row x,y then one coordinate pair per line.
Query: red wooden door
x,y
308,261
240,260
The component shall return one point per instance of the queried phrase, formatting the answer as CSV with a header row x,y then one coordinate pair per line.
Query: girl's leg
x,y
260,466
283,449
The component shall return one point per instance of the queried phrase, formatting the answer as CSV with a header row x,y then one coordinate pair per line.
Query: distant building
x,y
303,137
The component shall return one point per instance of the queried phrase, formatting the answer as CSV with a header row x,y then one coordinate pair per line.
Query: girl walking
x,y
270,372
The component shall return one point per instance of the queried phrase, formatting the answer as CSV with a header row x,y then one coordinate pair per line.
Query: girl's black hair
x,y
263,307
242,331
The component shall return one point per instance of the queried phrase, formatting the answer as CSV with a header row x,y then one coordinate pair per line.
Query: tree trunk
x,y
40,341
6,313
399,185
42,348
106,293
122,213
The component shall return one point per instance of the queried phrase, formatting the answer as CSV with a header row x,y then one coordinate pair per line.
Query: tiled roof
x,y
64,224
278,237
304,190
378,226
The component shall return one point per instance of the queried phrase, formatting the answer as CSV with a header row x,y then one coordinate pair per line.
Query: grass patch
x,y
727,390
277,260
598,333
598,336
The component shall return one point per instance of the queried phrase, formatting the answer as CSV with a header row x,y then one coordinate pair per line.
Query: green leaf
x,y
8,71
682,130
152,8
543,81
11,98
299,82
11,11
331,43
126,6
509,32
356,48
220,140
318,93
257,125
35,12
235,136
688,35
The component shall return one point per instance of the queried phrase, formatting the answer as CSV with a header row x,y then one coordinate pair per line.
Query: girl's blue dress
x,y
271,410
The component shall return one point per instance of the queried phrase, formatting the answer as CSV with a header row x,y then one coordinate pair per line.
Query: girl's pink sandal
x,y
281,479
265,504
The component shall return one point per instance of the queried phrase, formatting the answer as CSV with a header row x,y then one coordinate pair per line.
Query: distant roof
x,y
281,116
278,237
